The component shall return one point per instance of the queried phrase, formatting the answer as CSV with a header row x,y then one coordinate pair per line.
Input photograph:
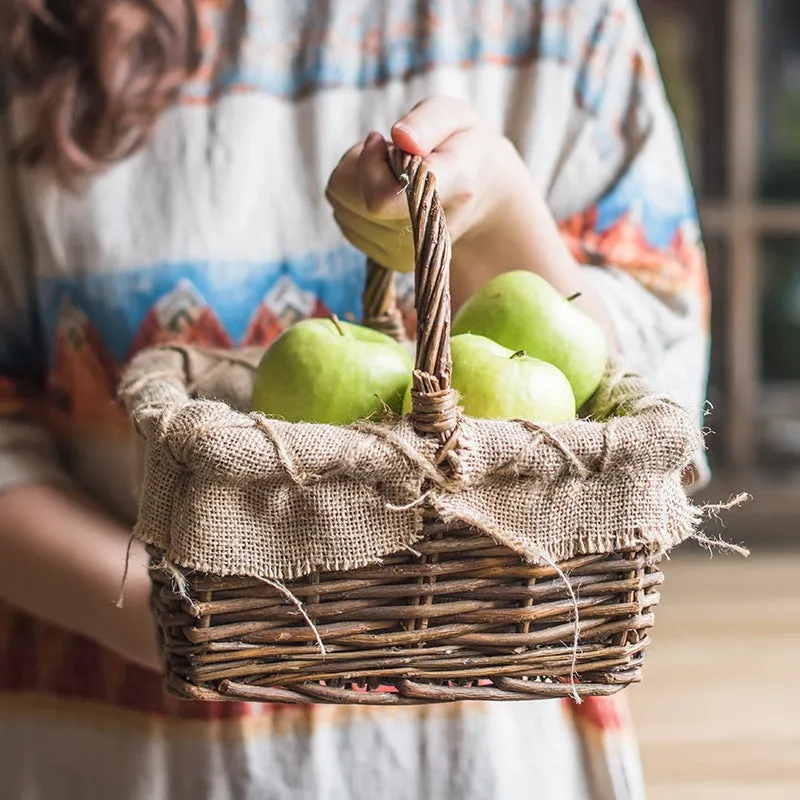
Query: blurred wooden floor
x,y
718,712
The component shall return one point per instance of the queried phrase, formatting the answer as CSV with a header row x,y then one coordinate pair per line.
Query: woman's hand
x,y
497,218
475,171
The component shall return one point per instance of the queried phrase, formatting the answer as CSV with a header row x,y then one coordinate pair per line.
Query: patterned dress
x,y
218,233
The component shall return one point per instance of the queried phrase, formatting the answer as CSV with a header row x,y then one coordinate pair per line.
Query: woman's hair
x,y
101,72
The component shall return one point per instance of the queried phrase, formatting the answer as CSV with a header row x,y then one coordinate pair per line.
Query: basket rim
x,y
582,486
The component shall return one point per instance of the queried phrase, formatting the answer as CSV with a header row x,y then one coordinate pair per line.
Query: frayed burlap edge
x,y
231,493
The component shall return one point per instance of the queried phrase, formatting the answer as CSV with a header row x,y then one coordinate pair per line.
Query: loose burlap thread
x,y
231,493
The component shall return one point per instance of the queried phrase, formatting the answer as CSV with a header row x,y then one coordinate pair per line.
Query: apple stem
x,y
519,354
574,296
335,321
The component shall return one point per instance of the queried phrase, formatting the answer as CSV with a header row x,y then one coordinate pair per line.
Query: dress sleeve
x,y
628,209
27,452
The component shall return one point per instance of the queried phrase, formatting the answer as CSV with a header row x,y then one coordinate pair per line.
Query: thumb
x,y
430,123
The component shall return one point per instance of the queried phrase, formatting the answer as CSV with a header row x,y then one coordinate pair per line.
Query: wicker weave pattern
x,y
464,620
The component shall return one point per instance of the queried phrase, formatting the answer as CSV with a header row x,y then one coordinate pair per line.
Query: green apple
x,y
522,311
497,383
327,371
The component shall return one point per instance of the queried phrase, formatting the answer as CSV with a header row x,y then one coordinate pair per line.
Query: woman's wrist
x,y
62,559
125,624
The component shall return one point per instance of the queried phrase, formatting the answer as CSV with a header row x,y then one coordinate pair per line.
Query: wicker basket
x,y
456,616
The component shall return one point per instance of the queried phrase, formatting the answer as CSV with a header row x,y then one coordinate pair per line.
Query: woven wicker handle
x,y
379,302
434,401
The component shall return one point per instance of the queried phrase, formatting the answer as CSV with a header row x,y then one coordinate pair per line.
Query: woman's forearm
x,y
62,560
523,235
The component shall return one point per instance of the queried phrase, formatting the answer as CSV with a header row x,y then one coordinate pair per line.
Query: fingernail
x,y
372,139
407,130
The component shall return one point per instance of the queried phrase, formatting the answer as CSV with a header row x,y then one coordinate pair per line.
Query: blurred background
x,y
732,71
719,709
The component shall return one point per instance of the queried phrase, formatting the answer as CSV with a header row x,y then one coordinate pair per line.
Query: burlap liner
x,y
232,493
